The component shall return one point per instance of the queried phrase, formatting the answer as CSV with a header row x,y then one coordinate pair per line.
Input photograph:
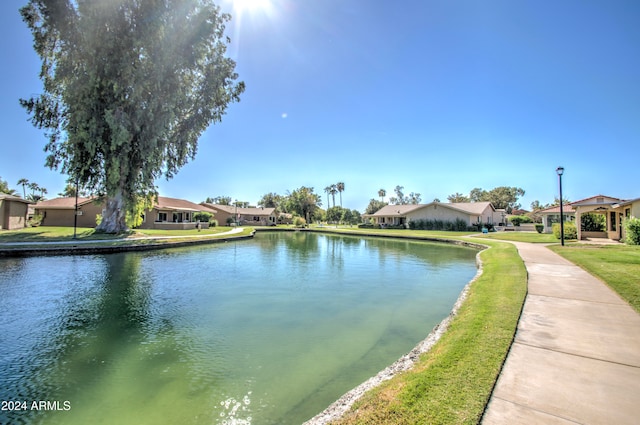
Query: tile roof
x,y
13,198
475,208
162,203
628,202
396,210
165,203
231,209
566,208
609,200
63,203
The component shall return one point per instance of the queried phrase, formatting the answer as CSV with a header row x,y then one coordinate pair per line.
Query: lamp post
x,y
560,171
75,213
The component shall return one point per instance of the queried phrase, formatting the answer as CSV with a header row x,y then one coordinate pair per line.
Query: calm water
x,y
268,331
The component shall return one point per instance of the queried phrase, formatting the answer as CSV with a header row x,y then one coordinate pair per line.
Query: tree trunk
x,y
113,216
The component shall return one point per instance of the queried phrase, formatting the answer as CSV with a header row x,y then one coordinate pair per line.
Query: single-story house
x,y
613,209
251,216
59,211
285,218
13,212
166,213
469,212
627,209
551,215
173,214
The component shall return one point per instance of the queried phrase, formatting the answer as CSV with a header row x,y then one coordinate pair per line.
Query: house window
x,y
599,200
627,212
162,216
613,220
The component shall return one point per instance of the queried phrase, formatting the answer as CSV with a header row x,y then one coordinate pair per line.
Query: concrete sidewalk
x,y
576,354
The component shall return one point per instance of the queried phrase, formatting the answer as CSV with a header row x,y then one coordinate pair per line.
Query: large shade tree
x,y
503,197
303,201
129,87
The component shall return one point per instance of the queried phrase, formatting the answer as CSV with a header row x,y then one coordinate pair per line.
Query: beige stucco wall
x,y
87,218
438,212
634,211
221,216
13,215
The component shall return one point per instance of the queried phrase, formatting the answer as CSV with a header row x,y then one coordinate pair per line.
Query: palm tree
x,y
24,182
340,187
333,190
327,190
34,189
382,193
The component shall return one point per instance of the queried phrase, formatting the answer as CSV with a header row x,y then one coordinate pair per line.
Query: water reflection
x,y
264,331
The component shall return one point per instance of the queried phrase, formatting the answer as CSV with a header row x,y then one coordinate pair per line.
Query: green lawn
x,y
52,234
61,234
617,265
532,237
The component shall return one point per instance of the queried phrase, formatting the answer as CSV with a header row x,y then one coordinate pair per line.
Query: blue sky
x,y
436,96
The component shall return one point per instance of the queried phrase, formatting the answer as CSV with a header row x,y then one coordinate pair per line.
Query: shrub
x,y
539,227
519,219
299,222
36,220
515,220
425,224
479,226
632,229
229,221
202,216
213,222
366,226
395,226
592,222
570,231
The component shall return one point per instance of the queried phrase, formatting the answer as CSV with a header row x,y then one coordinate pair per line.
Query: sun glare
x,y
251,5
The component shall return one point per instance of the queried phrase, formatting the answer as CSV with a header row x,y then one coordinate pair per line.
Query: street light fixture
x,y
560,171
75,213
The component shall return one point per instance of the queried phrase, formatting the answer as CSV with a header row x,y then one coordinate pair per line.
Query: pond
x,y
264,331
